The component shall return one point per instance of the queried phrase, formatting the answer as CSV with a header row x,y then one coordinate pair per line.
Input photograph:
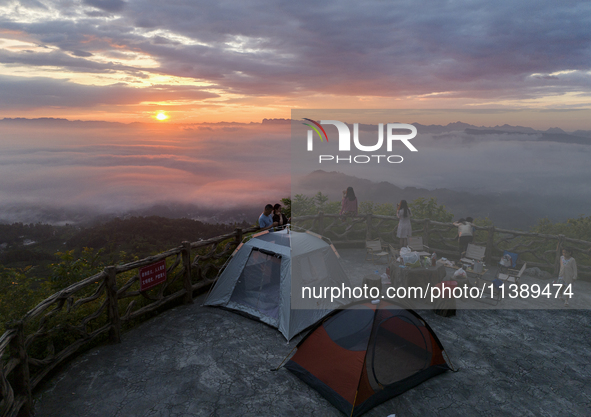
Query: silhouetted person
x,y
404,227
568,273
279,218
465,234
266,219
349,203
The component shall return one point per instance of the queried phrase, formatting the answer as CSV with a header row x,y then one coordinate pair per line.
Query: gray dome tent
x,y
265,276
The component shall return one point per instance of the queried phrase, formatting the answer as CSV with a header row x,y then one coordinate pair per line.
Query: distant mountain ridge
x,y
450,127
84,216
553,134
506,210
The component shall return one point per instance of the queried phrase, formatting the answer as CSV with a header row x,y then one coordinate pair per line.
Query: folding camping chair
x,y
511,275
508,260
394,253
487,297
474,254
416,244
374,250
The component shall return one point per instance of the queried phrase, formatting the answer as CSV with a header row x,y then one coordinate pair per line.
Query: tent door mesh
x,y
258,284
400,350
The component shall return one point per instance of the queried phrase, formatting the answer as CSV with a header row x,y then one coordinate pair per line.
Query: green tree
x,y
385,209
70,270
286,209
334,207
320,200
423,208
17,294
482,235
366,207
579,228
302,205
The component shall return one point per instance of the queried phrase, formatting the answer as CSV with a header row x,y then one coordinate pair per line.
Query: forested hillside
x,y
38,245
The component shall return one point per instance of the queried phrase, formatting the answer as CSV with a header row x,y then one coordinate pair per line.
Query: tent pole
x,y
449,360
353,408
284,359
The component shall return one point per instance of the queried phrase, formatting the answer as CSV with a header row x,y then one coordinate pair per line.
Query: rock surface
x,y
537,273
201,361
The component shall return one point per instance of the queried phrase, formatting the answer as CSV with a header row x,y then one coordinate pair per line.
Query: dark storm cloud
x,y
18,92
106,5
62,60
382,49
82,54
465,49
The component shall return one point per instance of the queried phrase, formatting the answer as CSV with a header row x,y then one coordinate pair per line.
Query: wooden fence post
x,y
558,254
239,236
22,380
112,304
320,223
426,232
368,221
490,245
186,254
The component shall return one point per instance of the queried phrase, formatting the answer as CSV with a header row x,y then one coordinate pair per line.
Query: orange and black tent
x,y
365,354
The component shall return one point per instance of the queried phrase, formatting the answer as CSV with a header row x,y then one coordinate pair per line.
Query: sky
x,y
214,71
240,61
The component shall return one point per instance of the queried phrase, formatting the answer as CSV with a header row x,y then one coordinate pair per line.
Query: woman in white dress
x,y
568,272
404,226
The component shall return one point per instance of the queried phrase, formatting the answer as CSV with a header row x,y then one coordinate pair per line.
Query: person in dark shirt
x,y
279,218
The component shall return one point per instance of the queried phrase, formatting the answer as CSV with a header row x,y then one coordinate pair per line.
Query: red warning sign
x,y
152,275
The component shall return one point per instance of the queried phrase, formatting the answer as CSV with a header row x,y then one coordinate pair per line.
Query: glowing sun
x,y
161,116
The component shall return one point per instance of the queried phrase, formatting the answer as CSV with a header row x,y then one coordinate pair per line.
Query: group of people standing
x,y
272,217
404,231
466,229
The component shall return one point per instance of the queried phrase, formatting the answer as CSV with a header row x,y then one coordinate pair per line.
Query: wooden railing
x,y
106,303
101,305
539,250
